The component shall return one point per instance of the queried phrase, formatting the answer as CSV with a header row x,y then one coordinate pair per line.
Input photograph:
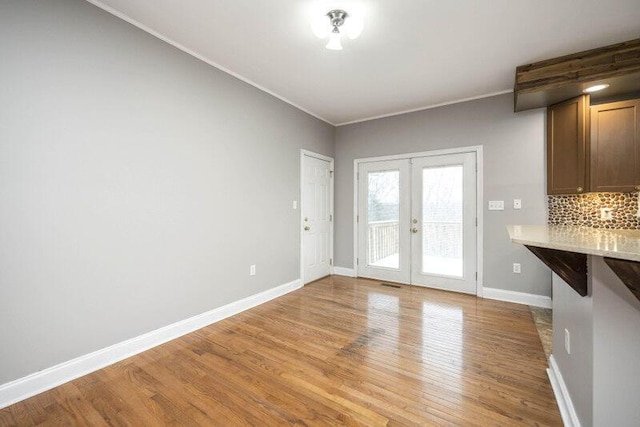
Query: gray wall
x,y
514,167
575,314
137,184
616,349
602,371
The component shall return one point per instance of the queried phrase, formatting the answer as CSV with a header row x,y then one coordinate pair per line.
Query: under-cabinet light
x,y
595,88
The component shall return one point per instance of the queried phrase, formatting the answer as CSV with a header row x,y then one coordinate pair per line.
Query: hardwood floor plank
x,y
499,379
78,410
339,351
376,371
205,409
254,372
7,419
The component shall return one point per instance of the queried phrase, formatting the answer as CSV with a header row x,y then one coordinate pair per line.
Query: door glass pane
x,y
383,201
442,221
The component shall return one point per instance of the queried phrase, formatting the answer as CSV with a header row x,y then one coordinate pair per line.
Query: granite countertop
x,y
620,244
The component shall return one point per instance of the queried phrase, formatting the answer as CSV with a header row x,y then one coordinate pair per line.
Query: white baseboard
x,y
343,271
567,411
517,297
54,376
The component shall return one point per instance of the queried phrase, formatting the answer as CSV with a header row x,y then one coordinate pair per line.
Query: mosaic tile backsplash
x,y
584,209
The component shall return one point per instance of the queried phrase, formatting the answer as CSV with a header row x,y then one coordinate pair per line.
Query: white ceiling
x,y
412,54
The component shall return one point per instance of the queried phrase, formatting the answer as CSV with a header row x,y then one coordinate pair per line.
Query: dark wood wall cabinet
x,y
567,146
615,146
593,148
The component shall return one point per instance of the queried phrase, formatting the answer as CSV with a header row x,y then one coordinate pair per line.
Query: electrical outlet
x,y
567,341
517,203
516,268
252,270
295,204
605,214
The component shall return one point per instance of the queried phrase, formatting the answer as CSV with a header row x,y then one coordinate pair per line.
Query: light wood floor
x,y
339,351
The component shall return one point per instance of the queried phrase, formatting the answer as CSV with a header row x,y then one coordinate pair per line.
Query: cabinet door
x,y
615,146
567,146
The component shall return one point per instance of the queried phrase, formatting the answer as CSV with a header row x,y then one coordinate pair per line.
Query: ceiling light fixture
x,y
595,88
331,24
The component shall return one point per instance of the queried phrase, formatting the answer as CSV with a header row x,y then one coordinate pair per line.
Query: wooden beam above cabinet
x,y
555,80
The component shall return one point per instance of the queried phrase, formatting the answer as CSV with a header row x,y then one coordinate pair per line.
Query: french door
x,y
417,221
383,220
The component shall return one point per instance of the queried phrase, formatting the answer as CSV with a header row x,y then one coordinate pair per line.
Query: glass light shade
x,y
334,42
353,26
321,26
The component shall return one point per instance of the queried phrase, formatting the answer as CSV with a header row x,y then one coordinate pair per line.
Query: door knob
x,y
307,228
414,230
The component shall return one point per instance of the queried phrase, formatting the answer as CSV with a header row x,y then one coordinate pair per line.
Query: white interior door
x,y
316,218
383,220
443,220
417,221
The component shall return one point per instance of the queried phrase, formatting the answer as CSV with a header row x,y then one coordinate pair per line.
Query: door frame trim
x,y
478,150
331,161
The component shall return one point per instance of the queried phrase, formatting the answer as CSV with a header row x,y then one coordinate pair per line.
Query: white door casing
x,y
316,216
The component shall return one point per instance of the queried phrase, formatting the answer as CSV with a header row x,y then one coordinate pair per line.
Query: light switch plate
x,y
496,205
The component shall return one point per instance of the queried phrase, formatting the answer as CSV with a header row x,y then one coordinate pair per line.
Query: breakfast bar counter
x,y
619,244
595,363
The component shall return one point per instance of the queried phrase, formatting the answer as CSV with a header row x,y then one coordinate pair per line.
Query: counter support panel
x,y
628,272
570,266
